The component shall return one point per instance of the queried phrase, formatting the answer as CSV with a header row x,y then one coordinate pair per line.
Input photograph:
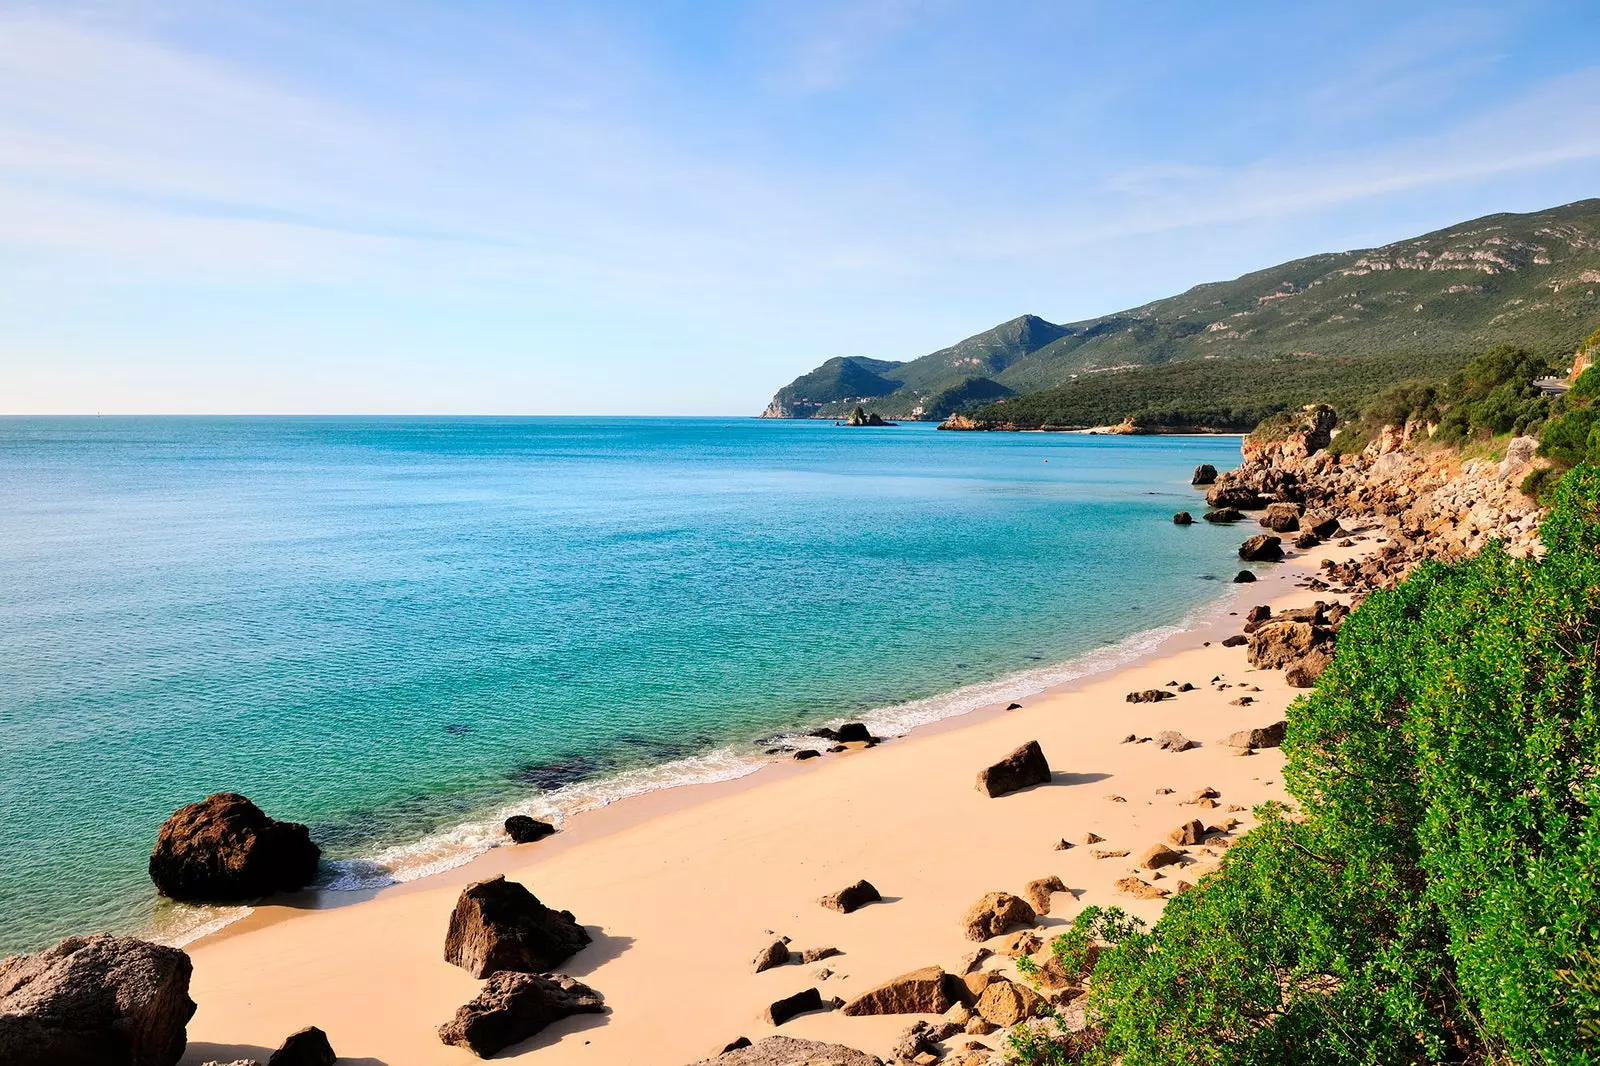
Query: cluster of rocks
x,y
502,933
1299,640
1431,504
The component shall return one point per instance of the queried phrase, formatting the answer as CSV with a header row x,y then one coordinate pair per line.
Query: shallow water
x,y
394,629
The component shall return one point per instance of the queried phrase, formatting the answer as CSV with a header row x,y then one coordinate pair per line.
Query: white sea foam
x,y
460,844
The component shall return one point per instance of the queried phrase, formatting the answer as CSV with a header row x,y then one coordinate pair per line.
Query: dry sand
x,y
681,888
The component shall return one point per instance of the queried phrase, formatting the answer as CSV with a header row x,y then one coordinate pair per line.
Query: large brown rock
x,y
790,1006
95,1001
787,1051
1040,889
923,991
1241,496
1023,768
994,913
308,1047
1189,833
512,1007
225,849
1304,671
1266,736
1277,643
1282,517
499,925
1006,1003
851,897
1224,516
1261,548
1158,855
1204,474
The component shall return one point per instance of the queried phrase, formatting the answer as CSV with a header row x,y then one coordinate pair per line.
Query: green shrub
x,y
1439,901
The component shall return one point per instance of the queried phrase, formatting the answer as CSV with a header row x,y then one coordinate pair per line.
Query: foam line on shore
x,y
460,844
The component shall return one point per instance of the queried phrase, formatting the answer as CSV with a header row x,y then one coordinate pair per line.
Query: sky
x,y
609,207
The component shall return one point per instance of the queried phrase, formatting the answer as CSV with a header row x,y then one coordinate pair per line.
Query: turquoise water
x,y
396,629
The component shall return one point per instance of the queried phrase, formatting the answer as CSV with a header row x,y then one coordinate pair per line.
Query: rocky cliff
x,y
1432,503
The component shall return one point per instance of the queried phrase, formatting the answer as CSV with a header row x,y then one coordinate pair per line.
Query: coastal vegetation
x,y
1335,328
1432,898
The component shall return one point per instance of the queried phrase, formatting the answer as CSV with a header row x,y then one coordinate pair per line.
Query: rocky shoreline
x,y
125,1002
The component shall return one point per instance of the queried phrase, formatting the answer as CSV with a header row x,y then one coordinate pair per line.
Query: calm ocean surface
x,y
396,629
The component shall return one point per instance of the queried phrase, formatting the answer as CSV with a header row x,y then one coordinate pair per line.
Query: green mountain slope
x,y
1529,279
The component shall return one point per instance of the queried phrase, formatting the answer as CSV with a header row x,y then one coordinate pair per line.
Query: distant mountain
x,y
1432,300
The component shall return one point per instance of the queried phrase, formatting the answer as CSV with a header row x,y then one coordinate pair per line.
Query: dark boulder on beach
x,y
225,849
499,925
1243,577
854,733
1261,548
807,753
1224,515
1204,474
851,897
308,1047
95,1001
776,953
790,1006
1023,768
1307,540
525,830
1323,525
1183,518
515,1006
1150,695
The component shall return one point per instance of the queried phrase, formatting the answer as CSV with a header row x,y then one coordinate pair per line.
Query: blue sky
x,y
675,207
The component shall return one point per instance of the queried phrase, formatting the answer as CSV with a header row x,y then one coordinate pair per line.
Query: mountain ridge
x,y
1527,279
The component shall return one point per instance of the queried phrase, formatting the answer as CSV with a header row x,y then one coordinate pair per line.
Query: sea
x,y
401,630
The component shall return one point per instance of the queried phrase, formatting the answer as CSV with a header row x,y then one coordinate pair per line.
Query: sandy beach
x,y
681,888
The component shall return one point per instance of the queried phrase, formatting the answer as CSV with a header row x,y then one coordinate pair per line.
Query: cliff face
x,y
1433,504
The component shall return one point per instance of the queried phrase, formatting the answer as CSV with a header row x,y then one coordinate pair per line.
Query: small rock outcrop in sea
x,y
1261,548
1023,768
859,417
1204,474
924,991
525,830
308,1047
1224,515
1243,577
1183,518
851,897
515,1006
787,1051
1241,497
994,913
225,849
95,1001
499,925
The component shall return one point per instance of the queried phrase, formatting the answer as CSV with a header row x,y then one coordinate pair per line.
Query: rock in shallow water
x,y
95,1001
515,1006
525,830
499,925
225,849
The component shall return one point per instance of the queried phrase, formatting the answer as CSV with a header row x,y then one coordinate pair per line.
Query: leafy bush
x,y
1439,899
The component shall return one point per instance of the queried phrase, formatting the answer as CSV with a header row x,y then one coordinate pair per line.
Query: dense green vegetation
x,y
1527,280
1437,896
1572,435
1225,394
